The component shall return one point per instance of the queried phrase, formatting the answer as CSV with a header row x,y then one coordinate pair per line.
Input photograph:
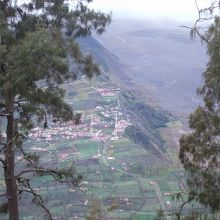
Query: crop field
x,y
116,171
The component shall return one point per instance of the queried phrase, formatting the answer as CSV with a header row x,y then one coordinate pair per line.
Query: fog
x,y
177,10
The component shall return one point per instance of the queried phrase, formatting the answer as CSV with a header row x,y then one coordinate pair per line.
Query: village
x,y
99,148
92,124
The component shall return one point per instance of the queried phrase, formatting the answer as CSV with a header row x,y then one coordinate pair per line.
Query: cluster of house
x,y
107,92
56,131
91,128
119,128
121,125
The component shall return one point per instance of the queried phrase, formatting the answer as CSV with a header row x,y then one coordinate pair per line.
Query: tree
x,y
200,150
37,47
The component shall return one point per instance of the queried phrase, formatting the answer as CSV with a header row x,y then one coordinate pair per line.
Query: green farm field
x,y
115,169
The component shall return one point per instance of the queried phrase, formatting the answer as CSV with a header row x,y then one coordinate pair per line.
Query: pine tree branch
x,y
29,171
178,213
201,18
37,197
197,32
25,182
18,101
19,105
197,6
185,203
17,162
4,115
58,175
25,156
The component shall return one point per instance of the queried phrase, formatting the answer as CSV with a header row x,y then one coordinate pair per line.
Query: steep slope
x,y
146,120
108,61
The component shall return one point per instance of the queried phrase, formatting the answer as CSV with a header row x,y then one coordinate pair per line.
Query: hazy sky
x,y
182,10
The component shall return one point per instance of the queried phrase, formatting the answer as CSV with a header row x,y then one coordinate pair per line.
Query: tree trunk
x,y
10,179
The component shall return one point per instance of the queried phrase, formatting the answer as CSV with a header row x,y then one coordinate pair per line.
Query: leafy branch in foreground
x,y
200,149
204,21
61,175
38,53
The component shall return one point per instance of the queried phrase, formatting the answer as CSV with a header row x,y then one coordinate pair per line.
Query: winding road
x,y
159,196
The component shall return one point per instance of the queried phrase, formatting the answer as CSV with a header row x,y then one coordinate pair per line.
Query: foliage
x,y
38,52
200,150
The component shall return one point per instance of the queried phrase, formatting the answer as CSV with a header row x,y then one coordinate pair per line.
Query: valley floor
x,y
127,179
